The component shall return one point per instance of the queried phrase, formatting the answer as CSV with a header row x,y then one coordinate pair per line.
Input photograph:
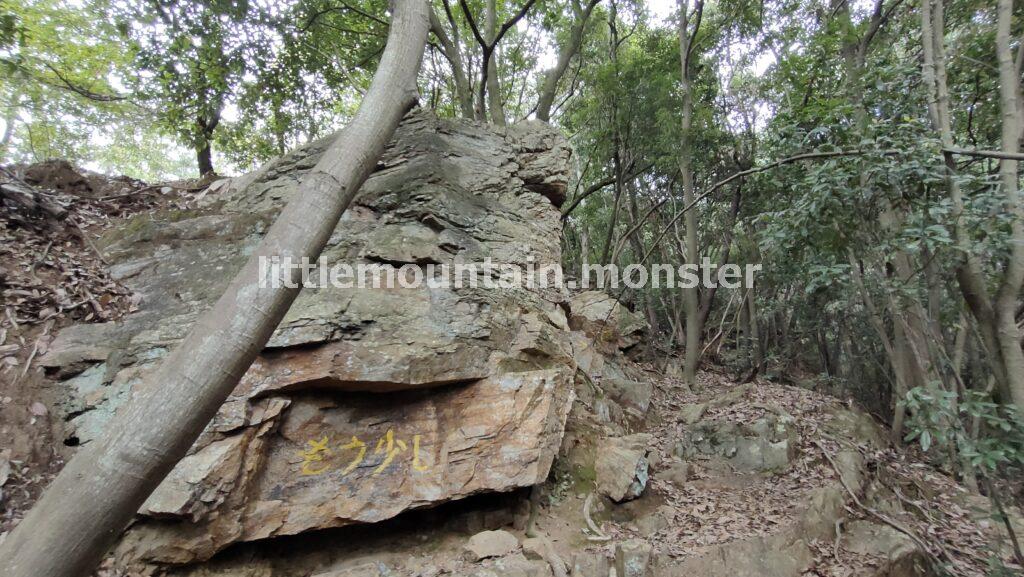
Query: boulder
x,y
691,413
619,383
366,402
767,444
514,565
542,549
857,426
621,467
901,556
605,320
655,521
490,544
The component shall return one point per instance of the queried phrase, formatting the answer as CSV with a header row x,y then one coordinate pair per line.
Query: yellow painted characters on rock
x,y
313,457
316,453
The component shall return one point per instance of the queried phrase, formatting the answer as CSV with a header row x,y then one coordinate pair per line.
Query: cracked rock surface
x,y
365,402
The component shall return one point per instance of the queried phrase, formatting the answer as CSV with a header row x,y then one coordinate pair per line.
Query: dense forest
x,y
865,153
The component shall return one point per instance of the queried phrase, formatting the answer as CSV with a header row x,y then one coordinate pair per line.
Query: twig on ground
x,y
921,544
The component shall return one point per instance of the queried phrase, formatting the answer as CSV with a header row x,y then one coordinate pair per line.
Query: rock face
x,y
366,402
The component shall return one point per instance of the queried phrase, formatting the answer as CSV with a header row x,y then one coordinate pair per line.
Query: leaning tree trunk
x,y
546,100
88,505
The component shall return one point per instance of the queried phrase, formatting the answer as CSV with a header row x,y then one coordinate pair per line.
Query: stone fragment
x,y
621,467
677,473
491,544
634,559
606,321
590,565
691,413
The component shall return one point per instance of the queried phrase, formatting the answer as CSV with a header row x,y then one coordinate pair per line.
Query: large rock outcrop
x,y
366,402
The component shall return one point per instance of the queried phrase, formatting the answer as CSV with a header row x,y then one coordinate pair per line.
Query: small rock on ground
x,y
490,544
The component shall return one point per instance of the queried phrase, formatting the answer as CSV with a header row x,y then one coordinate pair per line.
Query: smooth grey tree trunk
x,y
88,505
690,295
546,100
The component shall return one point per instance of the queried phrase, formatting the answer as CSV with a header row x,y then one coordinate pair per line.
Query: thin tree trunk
x,y
606,252
450,49
708,297
10,117
638,253
691,295
497,109
893,350
547,92
204,156
88,505
756,352
608,255
1007,295
971,279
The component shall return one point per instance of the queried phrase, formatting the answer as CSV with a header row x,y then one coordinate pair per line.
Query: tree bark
x,y
708,298
10,117
993,321
691,295
638,253
88,505
1007,295
487,46
204,155
450,49
204,159
565,55
497,109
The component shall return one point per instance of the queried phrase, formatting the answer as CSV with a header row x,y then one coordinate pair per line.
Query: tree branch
x,y
741,174
67,84
985,153
606,181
